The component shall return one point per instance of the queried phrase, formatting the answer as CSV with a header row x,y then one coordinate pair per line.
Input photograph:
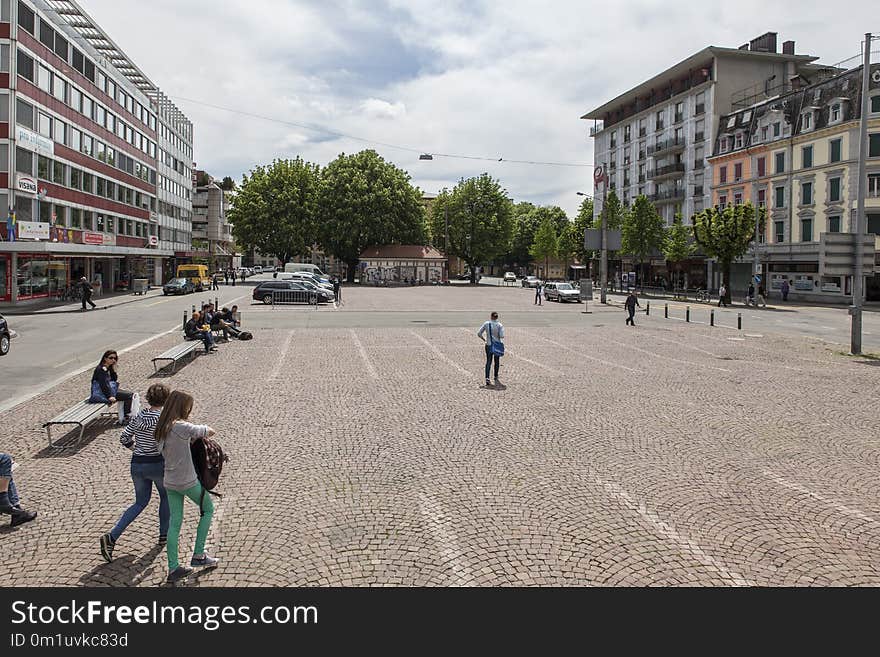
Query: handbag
x,y
495,348
98,397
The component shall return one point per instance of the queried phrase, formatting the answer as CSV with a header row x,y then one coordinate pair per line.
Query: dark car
x,y
178,286
296,293
6,335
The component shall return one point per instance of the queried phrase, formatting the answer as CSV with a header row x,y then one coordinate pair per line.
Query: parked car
x,y
242,272
6,336
263,292
257,269
561,292
467,276
531,281
178,286
323,293
509,277
308,276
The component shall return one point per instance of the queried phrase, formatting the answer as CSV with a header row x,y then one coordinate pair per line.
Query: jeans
x,y
175,503
207,338
632,313
144,474
86,300
124,398
6,473
489,356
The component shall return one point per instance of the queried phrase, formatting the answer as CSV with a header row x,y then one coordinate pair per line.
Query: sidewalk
x,y
103,302
735,302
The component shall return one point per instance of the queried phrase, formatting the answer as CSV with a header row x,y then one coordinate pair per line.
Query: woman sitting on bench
x,y
105,386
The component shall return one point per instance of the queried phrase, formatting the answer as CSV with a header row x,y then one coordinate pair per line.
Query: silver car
x,y
561,292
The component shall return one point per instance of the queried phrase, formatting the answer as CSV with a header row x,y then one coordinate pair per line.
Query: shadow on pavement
x,y
69,443
124,570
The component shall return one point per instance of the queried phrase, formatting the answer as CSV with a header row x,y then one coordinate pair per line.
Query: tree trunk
x,y
473,270
352,268
725,280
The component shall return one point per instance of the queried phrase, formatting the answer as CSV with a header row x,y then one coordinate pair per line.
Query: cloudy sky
x,y
477,78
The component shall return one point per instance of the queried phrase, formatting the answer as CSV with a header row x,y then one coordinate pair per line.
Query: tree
x,y
228,184
525,223
275,209
614,213
568,243
726,235
546,242
582,222
203,179
678,244
365,201
480,220
643,231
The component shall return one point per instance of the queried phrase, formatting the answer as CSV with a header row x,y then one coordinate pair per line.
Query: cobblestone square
x,y
668,454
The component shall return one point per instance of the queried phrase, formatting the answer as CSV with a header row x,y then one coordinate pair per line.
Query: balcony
x,y
669,171
596,129
701,109
667,196
667,146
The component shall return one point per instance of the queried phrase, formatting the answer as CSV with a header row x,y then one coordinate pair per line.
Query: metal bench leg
x,y
49,432
82,428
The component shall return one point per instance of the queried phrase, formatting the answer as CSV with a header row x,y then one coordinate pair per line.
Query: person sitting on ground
x,y
216,321
195,329
9,502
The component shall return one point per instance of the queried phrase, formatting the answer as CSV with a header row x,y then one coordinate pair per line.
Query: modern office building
x,y
796,155
82,130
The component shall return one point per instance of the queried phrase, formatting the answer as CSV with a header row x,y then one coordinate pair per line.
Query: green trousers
x,y
175,505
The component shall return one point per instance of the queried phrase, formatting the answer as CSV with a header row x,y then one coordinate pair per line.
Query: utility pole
x,y
858,229
603,282
446,248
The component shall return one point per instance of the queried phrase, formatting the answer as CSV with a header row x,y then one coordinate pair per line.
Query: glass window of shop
x,y
76,218
38,277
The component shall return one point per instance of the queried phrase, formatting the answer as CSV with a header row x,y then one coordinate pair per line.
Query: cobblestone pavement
x,y
667,454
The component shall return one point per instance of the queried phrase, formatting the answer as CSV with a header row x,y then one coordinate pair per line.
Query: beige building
x,y
211,229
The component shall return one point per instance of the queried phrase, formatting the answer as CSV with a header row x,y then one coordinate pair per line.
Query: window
x,y
777,129
99,224
110,228
47,35
45,125
739,140
24,161
779,231
61,46
78,61
807,157
25,66
722,175
659,122
874,145
874,185
807,121
26,18
24,114
111,189
780,197
75,98
88,182
100,114
87,144
43,167
87,106
75,138
75,218
722,200
834,190
738,171
738,198
762,167
780,162
44,79
59,89
807,193
806,230
59,172
764,131
835,150
762,198
875,104
834,224
723,144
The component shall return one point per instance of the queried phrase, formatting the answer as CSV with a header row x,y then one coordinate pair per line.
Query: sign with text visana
x,y
26,184
34,142
33,230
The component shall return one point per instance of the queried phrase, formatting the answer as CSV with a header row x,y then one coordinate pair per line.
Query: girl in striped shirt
x,y
147,469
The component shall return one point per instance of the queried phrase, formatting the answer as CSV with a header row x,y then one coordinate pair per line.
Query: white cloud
x,y
382,109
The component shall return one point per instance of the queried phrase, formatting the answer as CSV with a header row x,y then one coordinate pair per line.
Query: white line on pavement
x,y
280,362
366,358
452,557
441,355
538,365
687,346
583,355
668,531
674,360
834,504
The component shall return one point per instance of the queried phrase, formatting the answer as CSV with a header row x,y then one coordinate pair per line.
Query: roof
x,y
402,252
682,68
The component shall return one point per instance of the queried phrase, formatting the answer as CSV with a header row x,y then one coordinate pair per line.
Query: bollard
x,y
711,318
184,320
194,308
647,308
666,311
687,314
216,303
739,321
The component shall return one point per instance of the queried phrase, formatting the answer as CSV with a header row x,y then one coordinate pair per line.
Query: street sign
x,y
599,175
757,279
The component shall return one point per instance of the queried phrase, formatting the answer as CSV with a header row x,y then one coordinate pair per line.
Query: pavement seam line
x,y
669,358
452,555
441,355
583,355
364,356
837,506
280,362
669,531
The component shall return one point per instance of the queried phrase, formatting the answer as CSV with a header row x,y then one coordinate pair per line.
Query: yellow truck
x,y
195,274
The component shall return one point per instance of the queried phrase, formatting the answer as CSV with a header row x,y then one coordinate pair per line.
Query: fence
x,y
294,296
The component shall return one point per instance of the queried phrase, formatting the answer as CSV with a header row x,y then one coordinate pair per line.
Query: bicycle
x,y
703,296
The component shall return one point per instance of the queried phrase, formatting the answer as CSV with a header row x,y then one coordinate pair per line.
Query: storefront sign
x,y
34,142
26,184
33,230
93,238
154,240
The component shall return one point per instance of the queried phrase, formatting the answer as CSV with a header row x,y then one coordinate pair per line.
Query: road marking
x,y
367,362
441,355
156,303
687,346
280,362
452,556
67,362
754,335
539,365
674,360
834,504
583,355
669,531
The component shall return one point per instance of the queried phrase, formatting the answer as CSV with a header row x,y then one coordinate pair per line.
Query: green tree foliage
x,y
480,220
643,230
525,223
546,242
275,209
678,245
614,213
726,234
228,184
365,201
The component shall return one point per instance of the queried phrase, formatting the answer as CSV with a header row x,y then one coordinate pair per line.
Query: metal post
x,y
647,308
216,303
604,271
711,318
858,229
194,309
446,247
184,320
687,314
666,311
739,321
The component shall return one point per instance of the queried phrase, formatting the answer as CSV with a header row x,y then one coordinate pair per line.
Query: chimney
x,y
764,43
788,48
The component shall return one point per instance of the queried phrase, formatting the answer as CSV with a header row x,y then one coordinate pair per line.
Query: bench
x,y
175,354
82,414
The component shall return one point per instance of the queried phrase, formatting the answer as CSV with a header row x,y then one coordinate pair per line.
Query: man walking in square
x,y
539,290
631,302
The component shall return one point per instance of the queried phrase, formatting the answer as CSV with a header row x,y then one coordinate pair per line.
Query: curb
x,y
13,313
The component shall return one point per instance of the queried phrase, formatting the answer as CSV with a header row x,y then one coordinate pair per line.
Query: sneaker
x,y
107,545
497,382
179,573
488,383
204,561
163,539
20,516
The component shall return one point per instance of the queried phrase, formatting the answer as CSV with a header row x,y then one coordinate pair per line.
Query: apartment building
x,y
80,127
654,138
796,155
211,231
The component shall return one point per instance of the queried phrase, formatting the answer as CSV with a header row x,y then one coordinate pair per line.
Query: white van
x,y
292,267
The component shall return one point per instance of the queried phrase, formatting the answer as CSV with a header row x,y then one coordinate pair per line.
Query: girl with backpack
x,y
175,436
